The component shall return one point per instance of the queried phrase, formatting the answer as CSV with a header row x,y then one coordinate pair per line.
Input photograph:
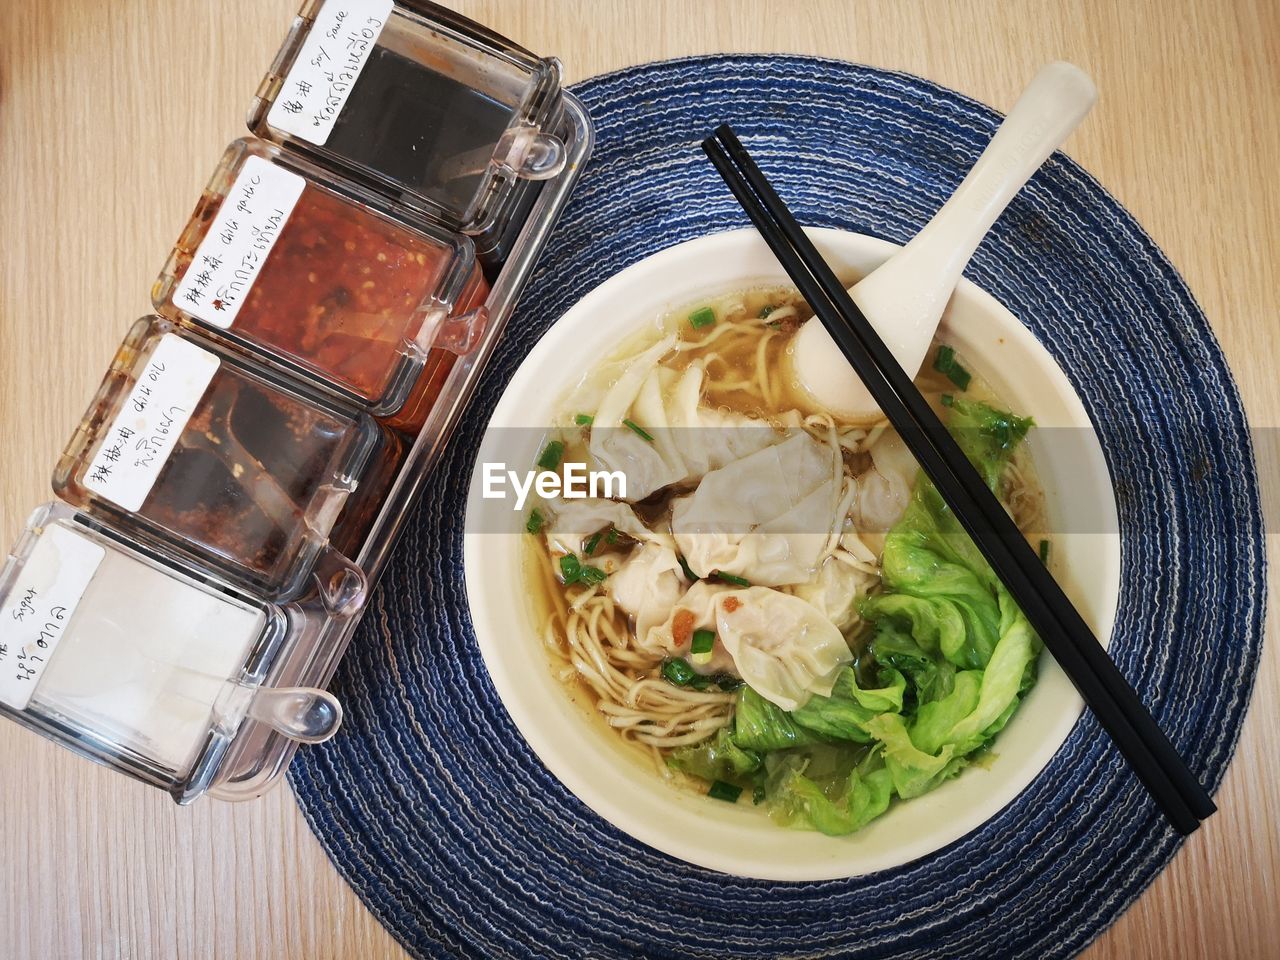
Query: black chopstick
x,y
1041,580
1064,632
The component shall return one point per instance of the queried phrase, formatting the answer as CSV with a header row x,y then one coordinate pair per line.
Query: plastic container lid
x,y
122,658
161,696
193,449
430,107
310,271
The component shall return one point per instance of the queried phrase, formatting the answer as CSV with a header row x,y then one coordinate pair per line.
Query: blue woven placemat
x,y
461,843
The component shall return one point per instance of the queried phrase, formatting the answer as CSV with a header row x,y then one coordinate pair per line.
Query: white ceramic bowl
x,y
587,757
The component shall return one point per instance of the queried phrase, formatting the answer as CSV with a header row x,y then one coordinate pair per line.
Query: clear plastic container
x,y
197,450
433,109
261,754
135,661
153,633
307,269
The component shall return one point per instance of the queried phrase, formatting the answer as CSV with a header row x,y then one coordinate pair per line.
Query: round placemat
x,y
440,817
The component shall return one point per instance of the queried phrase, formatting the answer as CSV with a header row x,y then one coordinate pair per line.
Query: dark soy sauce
x,y
420,128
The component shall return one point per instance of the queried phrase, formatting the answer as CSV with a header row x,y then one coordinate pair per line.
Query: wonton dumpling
x,y
572,521
688,439
696,610
783,647
648,585
885,489
707,438
834,592
764,517
637,396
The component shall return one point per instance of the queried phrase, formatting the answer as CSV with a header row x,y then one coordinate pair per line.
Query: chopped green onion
x,y
684,565
638,430
570,569
535,522
678,672
948,400
767,309
1006,432
757,794
1044,552
724,791
945,362
593,576
584,420
573,570
551,455
612,536
703,317
703,641
725,682
732,578
594,542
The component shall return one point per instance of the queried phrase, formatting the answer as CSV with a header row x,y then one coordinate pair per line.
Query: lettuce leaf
x,y
844,715
952,654
912,770
924,750
949,595
932,676
799,800
935,577
933,624
759,724
987,436
719,758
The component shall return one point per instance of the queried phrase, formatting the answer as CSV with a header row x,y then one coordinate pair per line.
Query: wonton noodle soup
x,y
778,607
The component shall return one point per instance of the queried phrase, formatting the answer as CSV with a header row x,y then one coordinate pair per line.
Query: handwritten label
x,y
144,432
335,51
41,604
239,240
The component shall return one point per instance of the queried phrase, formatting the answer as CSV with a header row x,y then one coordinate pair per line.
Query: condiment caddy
x,y
240,478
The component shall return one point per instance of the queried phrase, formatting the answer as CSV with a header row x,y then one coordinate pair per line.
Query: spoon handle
x,y
914,286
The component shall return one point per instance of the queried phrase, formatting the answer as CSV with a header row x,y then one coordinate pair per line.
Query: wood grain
x,y
112,115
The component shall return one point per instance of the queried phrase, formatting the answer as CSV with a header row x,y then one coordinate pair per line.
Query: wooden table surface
x,y
111,117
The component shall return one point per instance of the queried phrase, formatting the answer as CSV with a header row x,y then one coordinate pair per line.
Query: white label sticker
x,y
221,274
336,49
39,607
134,450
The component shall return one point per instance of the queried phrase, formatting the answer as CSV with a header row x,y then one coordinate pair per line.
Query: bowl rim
x,y
565,756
